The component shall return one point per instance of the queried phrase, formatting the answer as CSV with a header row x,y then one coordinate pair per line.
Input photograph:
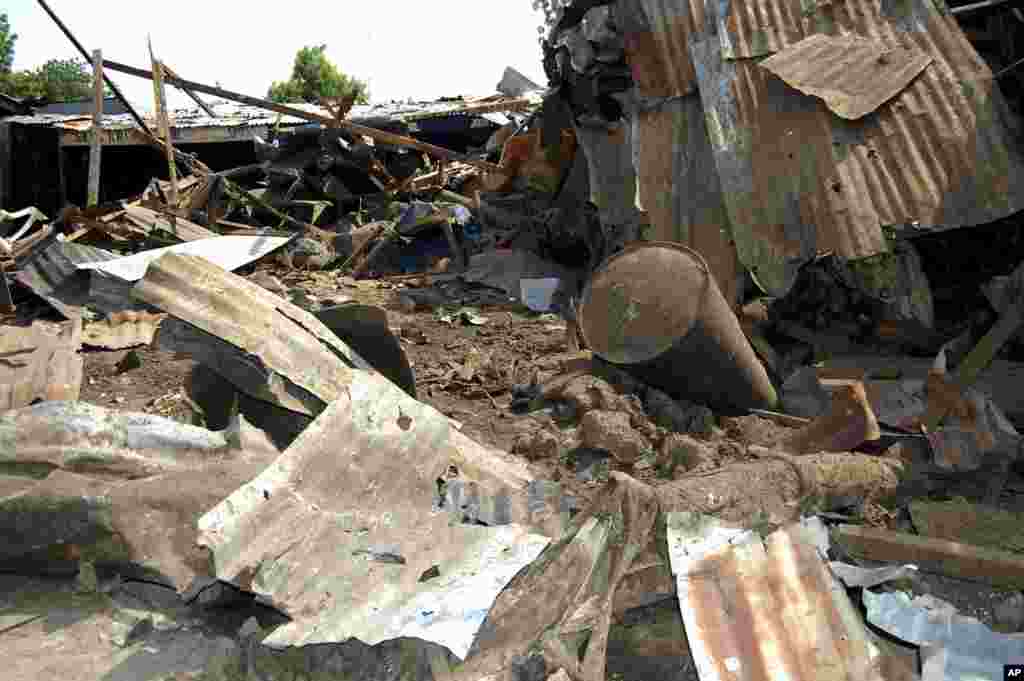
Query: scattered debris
x,y
713,413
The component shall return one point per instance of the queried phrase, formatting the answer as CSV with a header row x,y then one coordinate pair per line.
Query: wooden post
x,y
96,142
165,130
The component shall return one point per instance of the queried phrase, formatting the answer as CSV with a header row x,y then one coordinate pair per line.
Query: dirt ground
x,y
463,370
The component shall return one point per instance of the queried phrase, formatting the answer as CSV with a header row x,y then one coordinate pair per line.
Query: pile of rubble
x,y
750,450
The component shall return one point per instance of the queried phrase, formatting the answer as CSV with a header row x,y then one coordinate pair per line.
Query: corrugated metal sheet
x,y
800,181
126,488
241,122
39,362
78,437
679,190
766,610
853,76
345,534
657,33
50,271
296,362
127,329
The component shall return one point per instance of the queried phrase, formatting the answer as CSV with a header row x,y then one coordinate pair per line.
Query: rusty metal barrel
x,y
655,310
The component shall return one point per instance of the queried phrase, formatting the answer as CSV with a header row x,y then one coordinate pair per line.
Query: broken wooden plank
x,y
949,558
378,135
96,139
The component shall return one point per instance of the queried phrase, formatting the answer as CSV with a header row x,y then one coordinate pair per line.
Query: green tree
x,y
58,80
314,77
7,40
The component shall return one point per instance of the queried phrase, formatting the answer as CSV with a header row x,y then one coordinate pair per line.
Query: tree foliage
x,y
58,80
315,77
7,40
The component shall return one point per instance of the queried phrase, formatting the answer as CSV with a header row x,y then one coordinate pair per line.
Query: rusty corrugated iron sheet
x,y
657,33
679,190
799,181
40,363
852,75
767,610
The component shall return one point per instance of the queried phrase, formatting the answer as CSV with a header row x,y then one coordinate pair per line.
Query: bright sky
x,y
403,48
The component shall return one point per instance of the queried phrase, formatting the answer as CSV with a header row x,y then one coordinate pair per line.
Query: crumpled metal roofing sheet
x,y
759,610
344,531
291,359
799,181
852,75
50,270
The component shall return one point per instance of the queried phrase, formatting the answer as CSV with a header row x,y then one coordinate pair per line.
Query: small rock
x,y
612,432
560,675
537,445
1009,613
119,399
590,392
129,362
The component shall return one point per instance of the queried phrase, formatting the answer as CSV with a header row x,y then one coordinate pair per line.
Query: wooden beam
x,y
165,131
953,559
378,135
96,138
